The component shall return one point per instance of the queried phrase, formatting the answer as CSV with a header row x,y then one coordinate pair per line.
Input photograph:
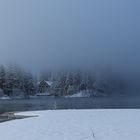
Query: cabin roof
x,y
47,82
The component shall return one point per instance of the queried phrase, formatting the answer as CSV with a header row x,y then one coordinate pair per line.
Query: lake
x,y
44,103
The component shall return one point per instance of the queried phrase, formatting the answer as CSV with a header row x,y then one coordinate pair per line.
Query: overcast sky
x,y
40,34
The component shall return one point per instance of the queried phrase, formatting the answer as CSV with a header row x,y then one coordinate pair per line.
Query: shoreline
x,y
9,116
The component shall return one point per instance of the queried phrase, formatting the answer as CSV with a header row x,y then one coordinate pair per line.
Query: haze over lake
x,y
50,34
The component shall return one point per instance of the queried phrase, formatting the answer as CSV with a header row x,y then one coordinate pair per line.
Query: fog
x,y
46,34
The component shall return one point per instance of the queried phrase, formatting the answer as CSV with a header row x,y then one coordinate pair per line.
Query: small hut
x,y
44,86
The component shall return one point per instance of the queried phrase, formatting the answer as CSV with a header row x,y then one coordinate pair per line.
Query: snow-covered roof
x,y
48,82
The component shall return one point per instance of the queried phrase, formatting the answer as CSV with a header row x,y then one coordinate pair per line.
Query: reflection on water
x,y
43,103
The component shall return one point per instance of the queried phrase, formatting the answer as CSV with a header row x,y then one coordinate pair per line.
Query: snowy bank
x,y
79,94
74,125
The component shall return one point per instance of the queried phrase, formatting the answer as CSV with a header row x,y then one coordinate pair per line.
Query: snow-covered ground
x,y
79,94
74,125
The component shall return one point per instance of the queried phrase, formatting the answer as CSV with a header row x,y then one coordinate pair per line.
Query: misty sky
x,y
40,34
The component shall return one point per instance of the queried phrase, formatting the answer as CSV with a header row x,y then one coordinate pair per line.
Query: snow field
x,y
74,125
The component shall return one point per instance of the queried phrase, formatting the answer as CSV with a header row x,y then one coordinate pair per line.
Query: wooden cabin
x,y
44,86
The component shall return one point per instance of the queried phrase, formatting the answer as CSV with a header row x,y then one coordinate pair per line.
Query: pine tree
x,y
2,77
29,85
10,80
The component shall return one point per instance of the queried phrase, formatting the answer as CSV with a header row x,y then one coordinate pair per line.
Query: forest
x,y
15,81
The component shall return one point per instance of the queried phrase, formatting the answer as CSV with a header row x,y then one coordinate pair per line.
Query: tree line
x,y
90,82
13,77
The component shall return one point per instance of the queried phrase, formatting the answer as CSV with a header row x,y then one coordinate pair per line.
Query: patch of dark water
x,y
9,116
